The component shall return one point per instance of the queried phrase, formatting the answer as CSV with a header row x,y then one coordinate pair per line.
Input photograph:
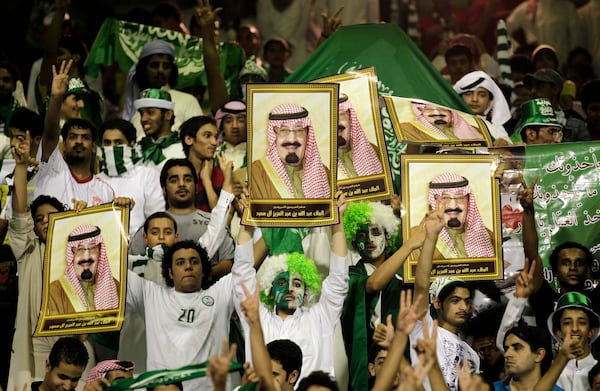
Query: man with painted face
x,y
464,234
292,167
294,303
356,155
88,283
374,285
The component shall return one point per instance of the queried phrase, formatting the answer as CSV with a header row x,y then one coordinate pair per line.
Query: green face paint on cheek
x,y
281,287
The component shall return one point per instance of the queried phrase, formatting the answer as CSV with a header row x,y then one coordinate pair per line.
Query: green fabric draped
x,y
153,151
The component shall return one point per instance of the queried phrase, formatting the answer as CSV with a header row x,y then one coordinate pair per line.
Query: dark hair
x,y
75,46
547,52
556,316
487,322
178,384
287,353
374,350
68,350
579,51
167,263
191,126
45,199
159,215
459,50
12,69
451,287
593,373
141,76
535,128
589,258
170,163
124,126
79,123
536,337
521,64
24,119
590,92
318,378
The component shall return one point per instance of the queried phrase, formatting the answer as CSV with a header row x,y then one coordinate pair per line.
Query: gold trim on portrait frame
x,y
416,173
112,221
321,101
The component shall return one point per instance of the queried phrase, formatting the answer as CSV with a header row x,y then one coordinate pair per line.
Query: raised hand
x,y
227,168
206,170
205,16
524,284
384,333
60,79
341,202
250,306
525,196
331,23
21,149
408,315
434,222
218,366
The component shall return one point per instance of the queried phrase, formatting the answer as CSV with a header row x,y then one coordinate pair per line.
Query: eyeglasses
x,y
285,132
454,198
89,249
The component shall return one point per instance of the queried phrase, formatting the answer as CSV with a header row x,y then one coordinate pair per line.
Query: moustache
x,y
457,210
291,144
341,128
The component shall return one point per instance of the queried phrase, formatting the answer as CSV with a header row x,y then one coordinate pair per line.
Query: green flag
x,y
121,42
566,197
164,376
402,70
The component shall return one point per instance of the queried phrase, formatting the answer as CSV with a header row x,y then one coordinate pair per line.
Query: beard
x,y
74,159
86,275
453,223
292,158
341,141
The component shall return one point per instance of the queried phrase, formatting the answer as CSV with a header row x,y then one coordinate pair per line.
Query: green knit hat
x,y
154,97
538,112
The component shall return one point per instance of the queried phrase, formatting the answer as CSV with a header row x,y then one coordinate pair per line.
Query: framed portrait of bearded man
x,y
292,154
463,191
85,269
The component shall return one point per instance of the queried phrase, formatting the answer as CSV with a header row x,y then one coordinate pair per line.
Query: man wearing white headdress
x,y
486,99
292,167
88,283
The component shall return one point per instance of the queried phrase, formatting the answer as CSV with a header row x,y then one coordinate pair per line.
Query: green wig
x,y
362,212
294,263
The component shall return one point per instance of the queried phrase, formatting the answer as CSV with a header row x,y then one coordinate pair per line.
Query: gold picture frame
x,y
417,171
359,87
413,126
273,201
63,310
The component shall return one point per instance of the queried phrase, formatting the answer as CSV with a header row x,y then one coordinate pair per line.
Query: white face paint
x,y
370,241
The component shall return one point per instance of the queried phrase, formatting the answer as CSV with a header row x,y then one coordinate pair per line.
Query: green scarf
x,y
152,150
165,376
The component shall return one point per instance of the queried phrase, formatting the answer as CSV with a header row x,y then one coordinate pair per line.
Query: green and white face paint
x,y
288,291
370,241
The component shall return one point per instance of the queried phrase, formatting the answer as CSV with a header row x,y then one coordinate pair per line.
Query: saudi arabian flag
x,y
402,70
121,42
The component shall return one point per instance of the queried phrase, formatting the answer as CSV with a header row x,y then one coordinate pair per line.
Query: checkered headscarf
x,y
103,367
232,107
364,158
105,296
477,241
314,179
462,129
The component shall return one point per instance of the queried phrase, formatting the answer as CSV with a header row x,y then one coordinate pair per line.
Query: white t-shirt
x,y
450,351
143,185
54,178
